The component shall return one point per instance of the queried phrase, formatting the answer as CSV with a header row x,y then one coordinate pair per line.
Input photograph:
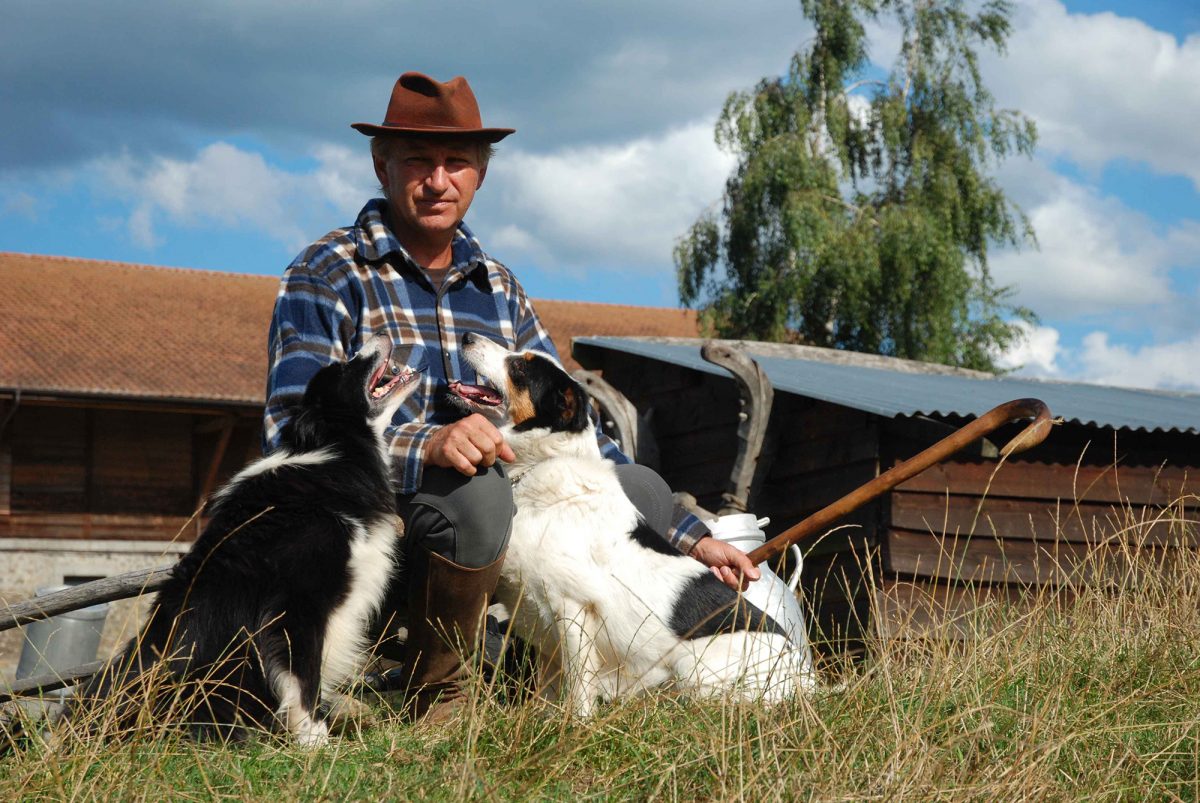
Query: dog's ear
x,y
334,396
572,407
567,406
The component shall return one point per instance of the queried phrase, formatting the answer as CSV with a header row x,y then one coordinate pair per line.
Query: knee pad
x,y
650,494
466,520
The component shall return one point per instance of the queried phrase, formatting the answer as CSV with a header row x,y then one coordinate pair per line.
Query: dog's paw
x,y
582,709
311,734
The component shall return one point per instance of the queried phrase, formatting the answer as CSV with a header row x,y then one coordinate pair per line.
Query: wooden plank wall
x,y
76,472
6,408
50,459
1081,509
822,452
141,463
243,446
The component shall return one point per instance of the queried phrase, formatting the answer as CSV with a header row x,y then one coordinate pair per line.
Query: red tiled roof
x,y
569,319
94,328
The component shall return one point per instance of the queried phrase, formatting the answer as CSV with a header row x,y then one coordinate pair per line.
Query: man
x,y
410,267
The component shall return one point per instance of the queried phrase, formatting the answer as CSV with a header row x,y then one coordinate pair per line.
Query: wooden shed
x,y
961,531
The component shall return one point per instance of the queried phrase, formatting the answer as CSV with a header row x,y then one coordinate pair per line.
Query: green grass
x,y
1099,698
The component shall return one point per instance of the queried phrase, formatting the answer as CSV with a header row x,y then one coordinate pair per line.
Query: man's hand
x,y
731,565
463,445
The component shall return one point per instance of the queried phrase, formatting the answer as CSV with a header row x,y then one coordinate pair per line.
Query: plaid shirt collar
x,y
376,241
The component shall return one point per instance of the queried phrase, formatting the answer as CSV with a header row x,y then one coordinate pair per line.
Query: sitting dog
x,y
609,607
269,609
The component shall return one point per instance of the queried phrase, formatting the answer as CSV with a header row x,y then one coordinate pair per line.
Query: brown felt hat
x,y
422,106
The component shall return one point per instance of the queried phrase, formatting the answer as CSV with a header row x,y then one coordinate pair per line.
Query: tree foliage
x,y
860,212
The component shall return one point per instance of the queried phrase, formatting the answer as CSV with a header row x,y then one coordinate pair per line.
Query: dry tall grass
x,y
1095,694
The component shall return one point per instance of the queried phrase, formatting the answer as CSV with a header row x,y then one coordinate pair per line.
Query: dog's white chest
x,y
369,570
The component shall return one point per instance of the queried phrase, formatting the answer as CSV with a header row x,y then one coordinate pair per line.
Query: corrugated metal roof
x,y
910,392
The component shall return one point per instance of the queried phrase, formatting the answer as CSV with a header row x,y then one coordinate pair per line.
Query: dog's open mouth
x,y
381,386
476,395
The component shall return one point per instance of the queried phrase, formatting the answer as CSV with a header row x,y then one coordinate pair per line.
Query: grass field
x,y
1099,698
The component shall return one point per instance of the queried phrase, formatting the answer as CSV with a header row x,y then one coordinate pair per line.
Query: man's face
x,y
429,184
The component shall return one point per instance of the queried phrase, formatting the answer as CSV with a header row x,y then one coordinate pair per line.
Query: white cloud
x,y
511,238
141,228
1095,254
1097,359
1102,87
1036,354
1167,365
225,186
619,205
344,176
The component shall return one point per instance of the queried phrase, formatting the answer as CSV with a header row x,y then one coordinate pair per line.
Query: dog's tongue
x,y
476,393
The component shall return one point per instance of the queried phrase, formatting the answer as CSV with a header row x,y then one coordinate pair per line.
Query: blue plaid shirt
x,y
357,281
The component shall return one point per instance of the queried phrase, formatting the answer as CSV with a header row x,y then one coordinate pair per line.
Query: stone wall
x,y
27,564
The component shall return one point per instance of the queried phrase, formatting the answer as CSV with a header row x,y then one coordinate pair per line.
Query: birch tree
x,y
861,211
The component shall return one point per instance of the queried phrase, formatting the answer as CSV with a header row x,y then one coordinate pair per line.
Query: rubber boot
x,y
447,604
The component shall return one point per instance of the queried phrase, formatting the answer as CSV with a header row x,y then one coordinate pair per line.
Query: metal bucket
x,y
61,642
769,593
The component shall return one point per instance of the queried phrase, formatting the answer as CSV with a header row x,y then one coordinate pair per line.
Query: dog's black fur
x,y
253,599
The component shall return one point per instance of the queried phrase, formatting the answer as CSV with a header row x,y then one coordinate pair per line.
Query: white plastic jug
x,y
769,593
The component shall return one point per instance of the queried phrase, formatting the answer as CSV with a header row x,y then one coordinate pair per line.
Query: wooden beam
x,y
8,408
1045,520
41,684
913,555
89,467
5,473
1107,483
214,466
242,409
922,609
121,586
96,527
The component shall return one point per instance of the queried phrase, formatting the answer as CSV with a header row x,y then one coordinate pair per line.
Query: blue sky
x,y
215,135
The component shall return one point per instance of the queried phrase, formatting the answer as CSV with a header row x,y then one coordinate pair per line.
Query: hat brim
x,y
484,134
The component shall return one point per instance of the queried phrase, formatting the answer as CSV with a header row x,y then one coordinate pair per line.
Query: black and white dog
x,y
609,607
270,607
